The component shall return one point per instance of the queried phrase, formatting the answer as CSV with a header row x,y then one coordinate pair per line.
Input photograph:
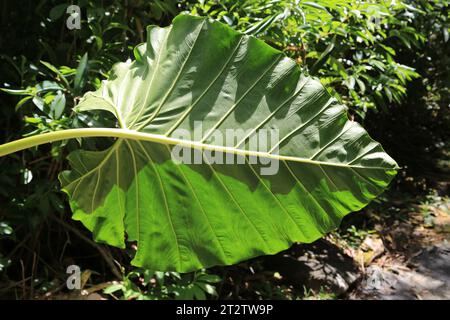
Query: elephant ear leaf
x,y
190,216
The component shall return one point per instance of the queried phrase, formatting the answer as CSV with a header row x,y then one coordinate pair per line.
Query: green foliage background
x,y
387,60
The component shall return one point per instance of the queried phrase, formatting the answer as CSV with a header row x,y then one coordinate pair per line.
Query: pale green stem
x,y
33,141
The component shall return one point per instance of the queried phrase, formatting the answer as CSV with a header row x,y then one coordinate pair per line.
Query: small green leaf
x,y
22,102
56,71
5,229
46,86
18,92
39,103
315,6
209,289
57,11
58,105
81,74
113,288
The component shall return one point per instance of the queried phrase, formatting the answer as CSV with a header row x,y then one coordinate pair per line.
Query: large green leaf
x,y
185,217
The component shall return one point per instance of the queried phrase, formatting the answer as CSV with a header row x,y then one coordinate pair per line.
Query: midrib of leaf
x,y
32,141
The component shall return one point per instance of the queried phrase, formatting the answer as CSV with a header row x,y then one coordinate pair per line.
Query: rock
x,y
371,248
320,266
427,278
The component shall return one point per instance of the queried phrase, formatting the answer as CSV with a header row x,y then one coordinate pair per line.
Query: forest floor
x,y
410,257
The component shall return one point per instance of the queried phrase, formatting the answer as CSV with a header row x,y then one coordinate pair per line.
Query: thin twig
x,y
104,253
23,279
19,245
15,284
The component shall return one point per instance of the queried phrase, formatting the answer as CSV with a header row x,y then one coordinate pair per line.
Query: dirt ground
x,y
411,258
